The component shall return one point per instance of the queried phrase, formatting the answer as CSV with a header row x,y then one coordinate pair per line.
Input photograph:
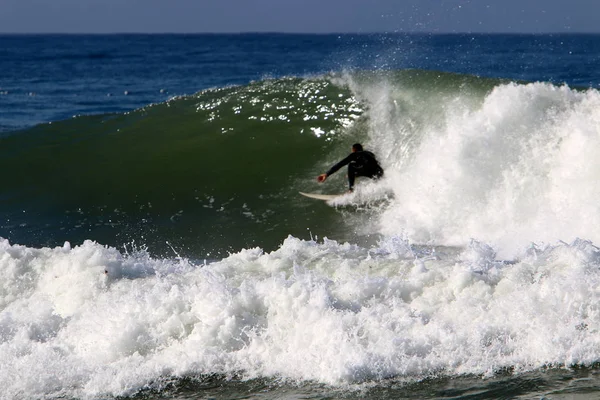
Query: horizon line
x,y
303,33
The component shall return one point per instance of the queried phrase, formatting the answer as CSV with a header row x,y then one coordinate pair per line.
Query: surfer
x,y
360,163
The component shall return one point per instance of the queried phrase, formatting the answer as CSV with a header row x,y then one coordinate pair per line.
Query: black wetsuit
x,y
360,163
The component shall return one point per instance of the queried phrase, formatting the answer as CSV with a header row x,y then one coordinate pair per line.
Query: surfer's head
x,y
357,147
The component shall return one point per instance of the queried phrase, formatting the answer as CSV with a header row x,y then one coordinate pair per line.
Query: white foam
x,y
514,166
89,321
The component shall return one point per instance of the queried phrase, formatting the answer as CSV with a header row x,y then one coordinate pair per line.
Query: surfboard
x,y
319,196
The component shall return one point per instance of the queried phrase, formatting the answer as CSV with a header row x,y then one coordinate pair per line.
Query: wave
x,y
465,157
473,255
212,172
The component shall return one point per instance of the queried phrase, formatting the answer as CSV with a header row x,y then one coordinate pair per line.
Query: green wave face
x,y
209,173
220,171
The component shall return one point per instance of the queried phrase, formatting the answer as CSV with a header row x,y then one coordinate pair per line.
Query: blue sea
x,y
153,243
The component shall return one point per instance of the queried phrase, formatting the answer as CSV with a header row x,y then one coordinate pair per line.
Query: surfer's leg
x,y
373,173
377,174
351,176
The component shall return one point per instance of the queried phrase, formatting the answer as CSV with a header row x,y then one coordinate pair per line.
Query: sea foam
x,y
90,321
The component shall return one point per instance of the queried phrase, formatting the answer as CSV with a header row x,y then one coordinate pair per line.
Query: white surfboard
x,y
319,196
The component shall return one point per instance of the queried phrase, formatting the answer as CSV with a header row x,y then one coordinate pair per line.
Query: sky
x,y
306,16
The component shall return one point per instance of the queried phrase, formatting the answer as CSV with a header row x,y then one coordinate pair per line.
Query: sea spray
x,y
511,165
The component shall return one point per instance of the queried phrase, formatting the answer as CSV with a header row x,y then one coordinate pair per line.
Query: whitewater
x,y
481,260
517,169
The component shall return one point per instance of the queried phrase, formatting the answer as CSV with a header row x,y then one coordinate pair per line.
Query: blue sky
x,y
314,16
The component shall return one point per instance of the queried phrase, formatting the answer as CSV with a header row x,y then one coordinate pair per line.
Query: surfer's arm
x,y
332,170
339,165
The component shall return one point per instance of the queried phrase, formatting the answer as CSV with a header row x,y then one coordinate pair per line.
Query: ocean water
x,y
153,243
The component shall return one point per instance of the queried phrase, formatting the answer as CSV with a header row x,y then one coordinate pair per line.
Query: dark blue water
x,y
53,77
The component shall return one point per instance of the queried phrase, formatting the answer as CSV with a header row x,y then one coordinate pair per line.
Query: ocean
x,y
153,243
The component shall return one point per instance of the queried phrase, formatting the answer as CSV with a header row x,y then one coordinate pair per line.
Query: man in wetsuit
x,y
360,163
